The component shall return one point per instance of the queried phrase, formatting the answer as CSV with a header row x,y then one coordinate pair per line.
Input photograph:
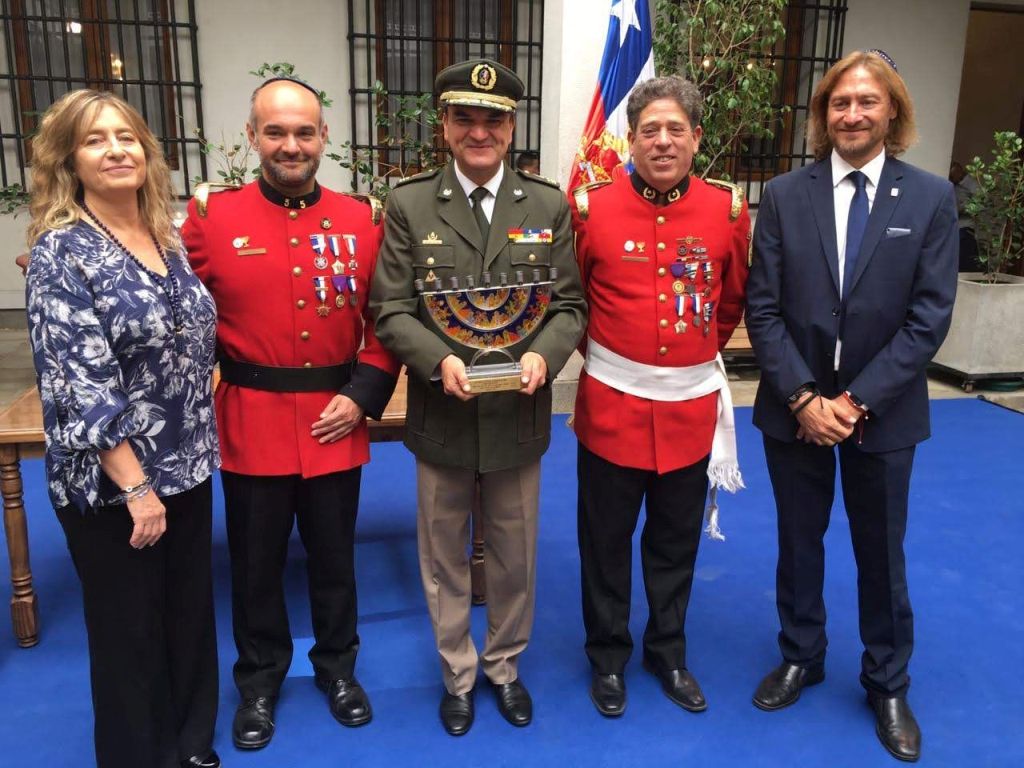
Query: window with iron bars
x,y
813,43
143,50
403,44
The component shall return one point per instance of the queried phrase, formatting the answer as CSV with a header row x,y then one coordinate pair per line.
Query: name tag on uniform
x,y
529,236
251,251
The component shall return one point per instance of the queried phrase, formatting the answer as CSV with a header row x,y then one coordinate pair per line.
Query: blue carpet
x,y
966,574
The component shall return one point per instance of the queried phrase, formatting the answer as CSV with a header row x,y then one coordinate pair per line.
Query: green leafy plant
x,y
402,128
231,159
726,48
13,198
997,206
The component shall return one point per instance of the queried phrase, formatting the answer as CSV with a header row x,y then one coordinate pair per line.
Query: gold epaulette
x,y
376,207
737,196
418,177
538,177
582,196
202,194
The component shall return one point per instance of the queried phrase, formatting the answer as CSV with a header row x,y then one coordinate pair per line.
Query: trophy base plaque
x,y
494,377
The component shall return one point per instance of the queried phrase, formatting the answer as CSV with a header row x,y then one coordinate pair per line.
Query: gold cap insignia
x,y
484,77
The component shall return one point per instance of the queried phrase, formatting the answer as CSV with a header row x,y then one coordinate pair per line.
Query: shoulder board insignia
x,y
536,177
582,196
737,196
376,207
202,194
418,177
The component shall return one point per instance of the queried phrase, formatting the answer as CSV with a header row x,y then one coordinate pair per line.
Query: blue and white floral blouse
x,y
111,368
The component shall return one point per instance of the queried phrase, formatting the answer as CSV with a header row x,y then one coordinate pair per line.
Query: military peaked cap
x,y
479,83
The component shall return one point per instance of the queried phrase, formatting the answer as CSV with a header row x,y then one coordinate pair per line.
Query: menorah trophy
x,y
490,318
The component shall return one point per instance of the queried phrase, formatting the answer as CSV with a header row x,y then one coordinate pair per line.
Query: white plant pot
x,y
986,337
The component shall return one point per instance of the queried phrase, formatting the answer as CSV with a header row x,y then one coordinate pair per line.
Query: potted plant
x,y
986,339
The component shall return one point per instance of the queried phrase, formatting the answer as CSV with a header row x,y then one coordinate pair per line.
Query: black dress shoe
x,y
210,760
514,702
783,684
457,712
896,726
608,692
680,686
254,723
348,701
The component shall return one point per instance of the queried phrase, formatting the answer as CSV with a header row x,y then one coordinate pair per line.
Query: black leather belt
x,y
321,378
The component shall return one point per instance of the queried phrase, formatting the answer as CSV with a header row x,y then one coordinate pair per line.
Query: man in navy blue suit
x,y
850,294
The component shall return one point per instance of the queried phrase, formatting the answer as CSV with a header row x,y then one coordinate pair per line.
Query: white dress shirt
x,y
843,190
487,205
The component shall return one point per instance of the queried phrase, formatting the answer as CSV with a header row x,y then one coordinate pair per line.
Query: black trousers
x,y
260,512
875,490
609,507
152,637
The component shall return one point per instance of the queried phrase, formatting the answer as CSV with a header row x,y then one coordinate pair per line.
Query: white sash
x,y
675,384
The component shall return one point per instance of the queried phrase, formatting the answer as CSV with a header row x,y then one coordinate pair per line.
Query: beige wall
x,y
926,39
992,87
924,36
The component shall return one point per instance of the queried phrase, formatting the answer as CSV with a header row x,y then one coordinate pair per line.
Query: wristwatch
x,y
856,401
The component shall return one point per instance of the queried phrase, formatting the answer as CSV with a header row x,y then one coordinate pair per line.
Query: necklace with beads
x,y
168,282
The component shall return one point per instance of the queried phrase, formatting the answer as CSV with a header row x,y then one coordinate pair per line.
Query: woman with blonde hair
x,y
122,337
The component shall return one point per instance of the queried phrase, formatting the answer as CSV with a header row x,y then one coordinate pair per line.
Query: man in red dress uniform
x,y
289,264
663,257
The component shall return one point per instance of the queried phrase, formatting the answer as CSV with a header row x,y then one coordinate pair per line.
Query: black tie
x,y
855,226
477,196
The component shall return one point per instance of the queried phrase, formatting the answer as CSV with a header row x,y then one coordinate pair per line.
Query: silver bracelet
x,y
138,492
127,490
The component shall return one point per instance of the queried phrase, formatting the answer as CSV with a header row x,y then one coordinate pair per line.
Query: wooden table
x,y
21,436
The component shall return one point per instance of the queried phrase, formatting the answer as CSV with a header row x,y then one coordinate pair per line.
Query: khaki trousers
x,y
508,501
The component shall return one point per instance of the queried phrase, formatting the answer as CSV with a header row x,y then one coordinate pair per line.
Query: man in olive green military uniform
x,y
464,220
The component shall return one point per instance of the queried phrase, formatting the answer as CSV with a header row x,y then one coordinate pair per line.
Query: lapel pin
x,y
325,223
446,192
894,192
517,192
240,242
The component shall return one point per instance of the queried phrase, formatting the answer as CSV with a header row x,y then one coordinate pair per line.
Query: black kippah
x,y
885,57
289,79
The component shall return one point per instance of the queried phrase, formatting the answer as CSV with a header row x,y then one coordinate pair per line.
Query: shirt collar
x,y
275,197
872,168
652,195
468,186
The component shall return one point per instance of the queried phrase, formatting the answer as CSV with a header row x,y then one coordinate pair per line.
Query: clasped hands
x,y
455,381
824,421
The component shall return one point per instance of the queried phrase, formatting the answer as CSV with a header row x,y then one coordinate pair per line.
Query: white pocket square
x,y
896,232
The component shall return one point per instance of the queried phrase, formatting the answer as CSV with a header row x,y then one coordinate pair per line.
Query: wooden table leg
x,y
24,609
476,559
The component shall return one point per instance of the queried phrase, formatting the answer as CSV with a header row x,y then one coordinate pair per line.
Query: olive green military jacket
x,y
429,228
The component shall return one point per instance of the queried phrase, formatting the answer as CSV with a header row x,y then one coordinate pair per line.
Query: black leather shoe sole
x,y
678,702
813,678
250,745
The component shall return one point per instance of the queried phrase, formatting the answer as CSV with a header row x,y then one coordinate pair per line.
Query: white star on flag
x,y
626,11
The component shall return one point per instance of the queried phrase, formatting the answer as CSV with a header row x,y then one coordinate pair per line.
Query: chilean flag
x,y
627,61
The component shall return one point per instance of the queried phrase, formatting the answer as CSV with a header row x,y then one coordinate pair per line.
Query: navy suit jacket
x,y
896,311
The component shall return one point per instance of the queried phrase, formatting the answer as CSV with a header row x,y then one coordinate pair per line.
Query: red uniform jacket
x,y
252,249
626,246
